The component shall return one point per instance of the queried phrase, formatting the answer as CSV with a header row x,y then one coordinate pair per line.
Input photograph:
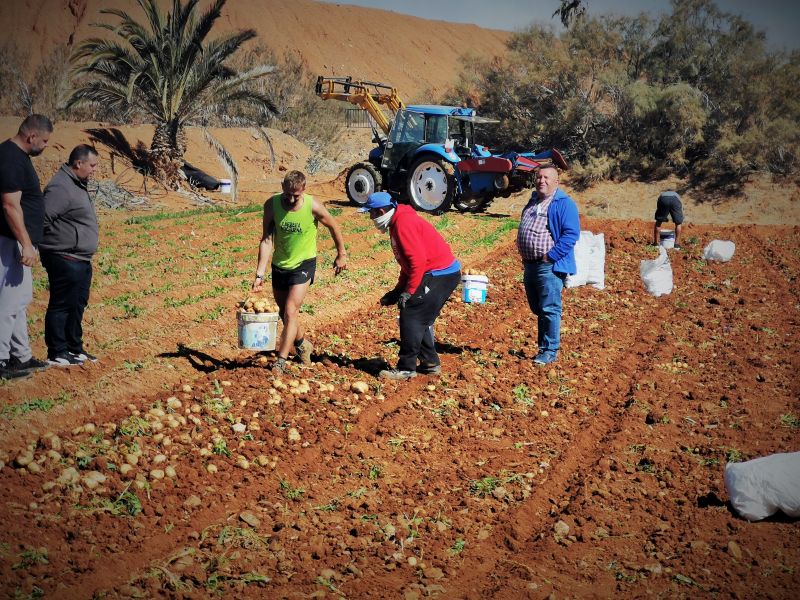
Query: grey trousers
x,y
16,293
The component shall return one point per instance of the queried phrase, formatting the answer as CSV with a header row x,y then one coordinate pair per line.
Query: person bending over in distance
x,y
668,206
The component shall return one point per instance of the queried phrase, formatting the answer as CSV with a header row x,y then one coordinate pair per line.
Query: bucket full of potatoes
x,y
257,324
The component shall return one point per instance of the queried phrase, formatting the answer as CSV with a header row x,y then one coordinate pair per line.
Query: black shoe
x,y
32,365
65,359
427,369
84,356
9,373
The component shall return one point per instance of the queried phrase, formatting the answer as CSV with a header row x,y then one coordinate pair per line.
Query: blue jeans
x,y
70,281
543,288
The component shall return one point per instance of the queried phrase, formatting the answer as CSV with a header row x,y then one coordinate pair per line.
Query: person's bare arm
x,y
12,209
322,215
265,246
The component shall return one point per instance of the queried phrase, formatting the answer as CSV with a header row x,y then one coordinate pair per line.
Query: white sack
x,y
590,261
719,250
657,274
760,487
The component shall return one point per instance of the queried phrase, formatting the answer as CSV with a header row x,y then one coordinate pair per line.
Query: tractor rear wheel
x,y
362,180
431,185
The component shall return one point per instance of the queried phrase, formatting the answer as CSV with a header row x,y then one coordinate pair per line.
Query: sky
x,y
780,19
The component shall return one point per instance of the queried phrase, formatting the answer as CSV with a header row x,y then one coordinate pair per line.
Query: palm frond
x,y
228,163
133,32
110,96
220,49
268,143
213,91
202,27
184,13
154,16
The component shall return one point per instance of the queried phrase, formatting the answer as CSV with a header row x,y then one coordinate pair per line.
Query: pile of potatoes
x,y
257,305
474,272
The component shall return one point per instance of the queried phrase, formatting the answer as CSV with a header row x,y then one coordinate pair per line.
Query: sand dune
x,y
412,54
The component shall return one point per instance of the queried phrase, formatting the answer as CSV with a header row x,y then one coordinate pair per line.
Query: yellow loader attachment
x,y
368,95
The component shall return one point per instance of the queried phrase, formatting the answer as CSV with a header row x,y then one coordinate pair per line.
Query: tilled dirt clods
x,y
600,475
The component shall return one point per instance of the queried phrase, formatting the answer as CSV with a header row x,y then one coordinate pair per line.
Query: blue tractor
x,y
428,154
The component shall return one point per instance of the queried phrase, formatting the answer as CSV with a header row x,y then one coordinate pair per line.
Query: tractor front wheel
x,y
362,180
431,185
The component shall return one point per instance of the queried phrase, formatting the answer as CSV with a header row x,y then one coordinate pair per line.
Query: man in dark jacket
x,y
428,275
21,221
70,240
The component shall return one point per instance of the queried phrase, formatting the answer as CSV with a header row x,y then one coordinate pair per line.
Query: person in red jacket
x,y
428,275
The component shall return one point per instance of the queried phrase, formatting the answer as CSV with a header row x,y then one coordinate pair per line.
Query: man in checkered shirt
x,y
548,230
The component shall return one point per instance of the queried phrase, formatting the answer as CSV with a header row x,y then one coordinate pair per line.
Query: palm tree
x,y
167,69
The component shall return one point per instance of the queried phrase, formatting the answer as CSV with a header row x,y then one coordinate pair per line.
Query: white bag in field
x,y
760,487
590,260
720,250
657,274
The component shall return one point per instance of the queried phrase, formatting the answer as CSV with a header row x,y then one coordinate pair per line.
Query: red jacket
x,y
417,246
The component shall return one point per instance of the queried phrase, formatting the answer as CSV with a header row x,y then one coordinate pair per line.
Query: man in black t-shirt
x,y
21,227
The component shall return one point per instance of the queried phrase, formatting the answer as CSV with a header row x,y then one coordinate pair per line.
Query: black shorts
x,y
669,205
283,279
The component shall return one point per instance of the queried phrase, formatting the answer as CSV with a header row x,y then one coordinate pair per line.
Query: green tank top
x,y
295,233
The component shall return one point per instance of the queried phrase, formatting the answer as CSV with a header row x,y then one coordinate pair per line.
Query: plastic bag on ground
x,y
760,487
590,261
720,250
657,274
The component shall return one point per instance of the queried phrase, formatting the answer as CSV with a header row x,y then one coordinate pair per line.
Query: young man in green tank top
x,y
289,235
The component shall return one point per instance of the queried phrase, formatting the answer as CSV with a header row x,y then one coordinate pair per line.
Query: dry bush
x,y
694,93
13,64
303,114
45,89
595,169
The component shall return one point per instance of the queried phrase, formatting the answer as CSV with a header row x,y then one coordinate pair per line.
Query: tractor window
x,y
436,130
408,127
461,132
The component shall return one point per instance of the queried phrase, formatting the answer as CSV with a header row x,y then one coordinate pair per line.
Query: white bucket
x,y
667,237
258,331
473,288
225,186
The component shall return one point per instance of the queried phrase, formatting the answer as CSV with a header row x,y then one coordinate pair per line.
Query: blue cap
x,y
377,200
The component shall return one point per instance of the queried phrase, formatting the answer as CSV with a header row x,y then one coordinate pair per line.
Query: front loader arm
x,y
367,95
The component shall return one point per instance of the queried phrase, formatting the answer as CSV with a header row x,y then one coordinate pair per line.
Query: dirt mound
x,y
410,53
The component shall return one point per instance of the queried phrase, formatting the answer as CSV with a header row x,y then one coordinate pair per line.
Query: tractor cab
x,y
450,127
